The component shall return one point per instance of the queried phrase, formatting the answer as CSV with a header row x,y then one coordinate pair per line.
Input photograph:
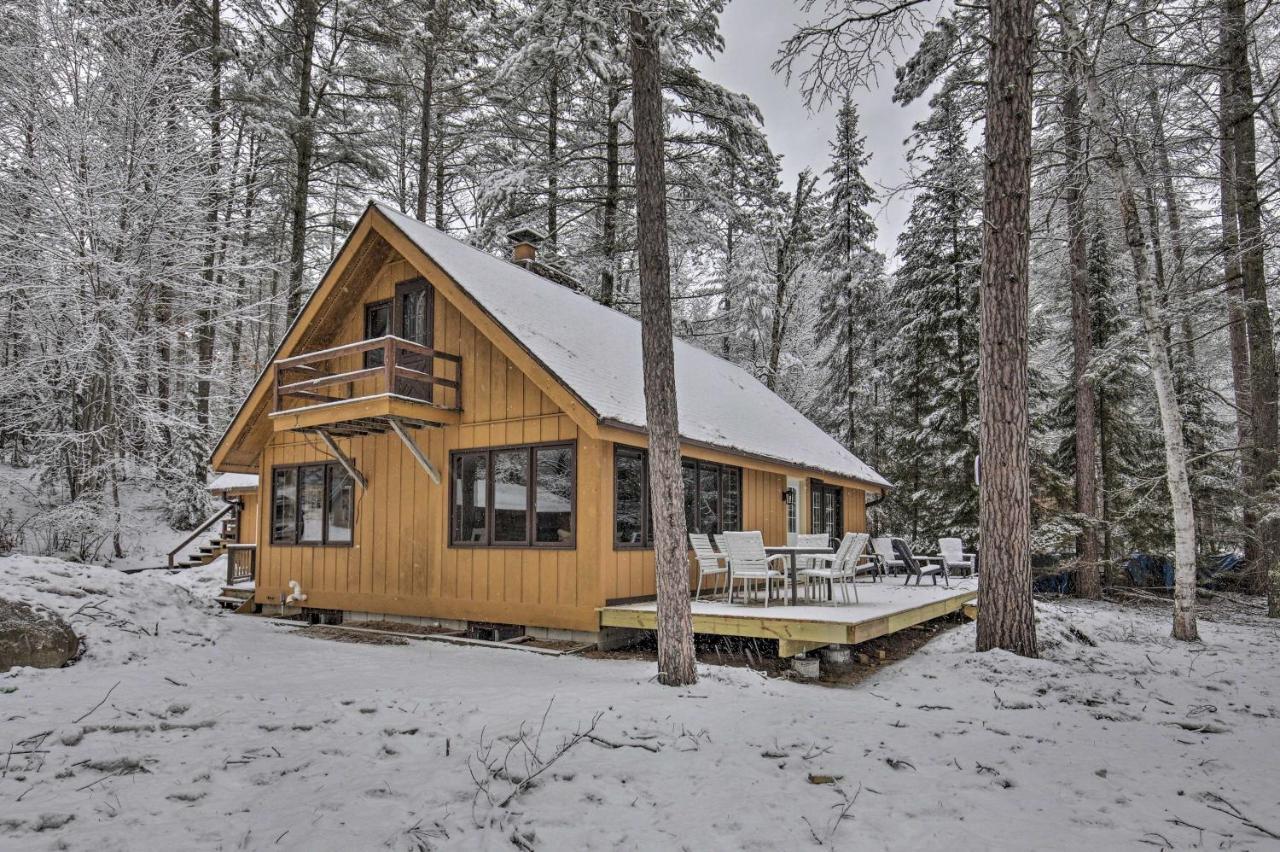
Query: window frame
x,y
371,358
326,485
819,490
725,472
531,497
646,527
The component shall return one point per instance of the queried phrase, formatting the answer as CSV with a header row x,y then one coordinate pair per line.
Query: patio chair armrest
x,y
938,559
821,557
970,556
775,557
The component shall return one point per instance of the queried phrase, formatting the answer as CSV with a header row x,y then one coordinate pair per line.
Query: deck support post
x,y
342,459
398,428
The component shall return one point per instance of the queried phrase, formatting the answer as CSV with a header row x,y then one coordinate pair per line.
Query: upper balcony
x,y
363,388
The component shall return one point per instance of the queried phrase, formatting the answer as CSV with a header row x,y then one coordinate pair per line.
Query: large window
x,y
826,503
712,497
513,496
311,504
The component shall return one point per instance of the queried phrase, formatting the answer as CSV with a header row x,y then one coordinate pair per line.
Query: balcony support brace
x,y
398,428
342,459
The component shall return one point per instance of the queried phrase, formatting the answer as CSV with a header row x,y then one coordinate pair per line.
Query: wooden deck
x,y
885,608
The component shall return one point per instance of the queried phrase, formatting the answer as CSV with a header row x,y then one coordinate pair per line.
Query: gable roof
x,y
595,352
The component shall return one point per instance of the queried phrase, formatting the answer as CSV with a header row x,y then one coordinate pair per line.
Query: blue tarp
x,y
1147,570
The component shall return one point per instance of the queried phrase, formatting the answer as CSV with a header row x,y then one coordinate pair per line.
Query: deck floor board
x,y
885,607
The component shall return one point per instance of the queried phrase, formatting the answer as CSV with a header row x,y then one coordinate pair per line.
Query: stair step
x,y
230,603
232,592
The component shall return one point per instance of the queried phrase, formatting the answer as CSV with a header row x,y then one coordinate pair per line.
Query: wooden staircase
x,y
228,533
237,599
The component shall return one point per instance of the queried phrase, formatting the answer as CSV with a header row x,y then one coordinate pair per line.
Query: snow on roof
x,y
595,351
233,481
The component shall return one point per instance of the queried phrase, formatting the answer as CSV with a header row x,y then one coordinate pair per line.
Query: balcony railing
x,y
380,366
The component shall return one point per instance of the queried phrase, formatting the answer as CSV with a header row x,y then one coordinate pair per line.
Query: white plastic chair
x,y
748,562
708,561
811,540
954,557
842,566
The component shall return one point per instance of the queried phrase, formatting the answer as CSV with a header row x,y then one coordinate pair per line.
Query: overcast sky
x,y
753,30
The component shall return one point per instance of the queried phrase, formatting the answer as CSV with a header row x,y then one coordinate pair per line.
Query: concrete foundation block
x,y
805,667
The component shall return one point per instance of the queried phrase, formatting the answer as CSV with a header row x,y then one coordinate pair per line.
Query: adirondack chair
x,y
748,562
709,562
885,554
952,550
841,566
919,566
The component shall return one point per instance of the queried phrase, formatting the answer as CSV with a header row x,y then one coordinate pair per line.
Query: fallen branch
x,y
601,741
1235,813
99,704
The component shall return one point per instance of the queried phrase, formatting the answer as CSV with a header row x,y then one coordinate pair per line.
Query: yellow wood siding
x,y
248,532
400,562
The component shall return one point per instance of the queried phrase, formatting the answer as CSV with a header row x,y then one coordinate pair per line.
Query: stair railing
x,y
240,563
199,530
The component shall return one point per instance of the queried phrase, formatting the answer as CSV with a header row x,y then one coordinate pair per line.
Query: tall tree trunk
x,y
1265,456
1173,212
1088,584
777,327
204,317
1006,614
730,250
676,663
440,172
1237,328
611,190
1149,305
553,156
424,131
306,20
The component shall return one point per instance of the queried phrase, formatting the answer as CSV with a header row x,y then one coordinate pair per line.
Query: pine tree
x,y
852,302
933,383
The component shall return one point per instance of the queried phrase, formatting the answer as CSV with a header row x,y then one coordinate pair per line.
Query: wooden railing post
x,y
389,362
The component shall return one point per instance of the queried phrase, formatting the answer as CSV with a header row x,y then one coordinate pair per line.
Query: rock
x,y
34,637
824,779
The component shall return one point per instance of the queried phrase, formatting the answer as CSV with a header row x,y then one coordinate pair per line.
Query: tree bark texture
x,y
1265,427
204,325
424,132
1149,305
1006,613
1237,329
306,20
676,663
1088,582
609,237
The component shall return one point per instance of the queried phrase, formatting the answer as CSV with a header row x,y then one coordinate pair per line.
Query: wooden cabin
x,y
446,435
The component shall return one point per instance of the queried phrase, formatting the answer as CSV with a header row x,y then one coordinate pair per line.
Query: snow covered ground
x,y
147,535
184,728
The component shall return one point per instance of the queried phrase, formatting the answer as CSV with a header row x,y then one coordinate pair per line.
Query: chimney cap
x,y
526,235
